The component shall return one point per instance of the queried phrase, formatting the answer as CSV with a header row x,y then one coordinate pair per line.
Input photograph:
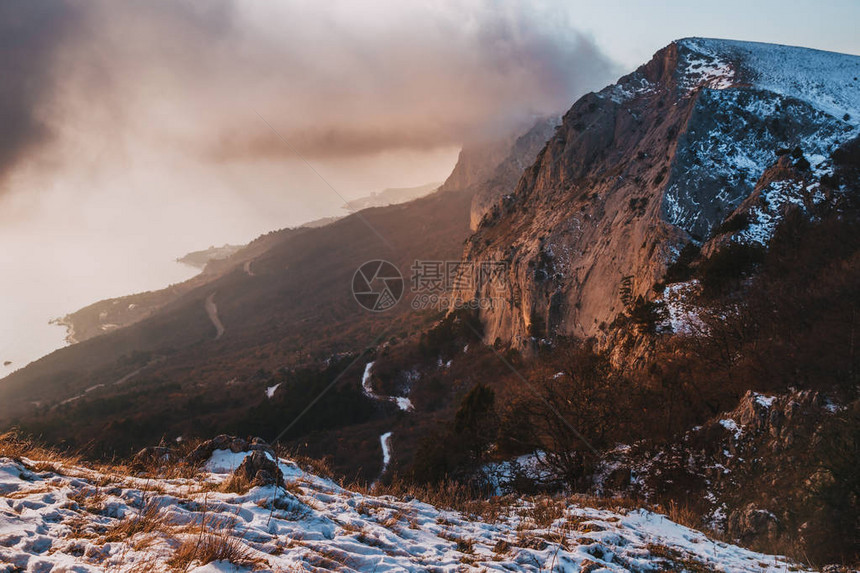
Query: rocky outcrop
x,y
645,166
259,469
751,523
476,162
152,456
204,451
754,472
503,179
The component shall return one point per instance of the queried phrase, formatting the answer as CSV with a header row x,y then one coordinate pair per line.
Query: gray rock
x,y
259,469
203,452
752,523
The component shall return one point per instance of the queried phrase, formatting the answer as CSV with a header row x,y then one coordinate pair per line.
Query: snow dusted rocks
x,y
763,444
259,468
251,463
70,518
204,451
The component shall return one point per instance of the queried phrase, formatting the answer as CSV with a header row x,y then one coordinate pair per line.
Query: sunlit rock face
x,y
644,166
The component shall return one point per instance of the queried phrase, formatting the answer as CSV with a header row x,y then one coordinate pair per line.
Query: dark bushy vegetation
x,y
723,270
457,450
680,270
450,334
733,224
341,405
646,315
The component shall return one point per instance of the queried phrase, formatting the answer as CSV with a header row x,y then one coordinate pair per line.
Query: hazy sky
x,y
630,31
132,129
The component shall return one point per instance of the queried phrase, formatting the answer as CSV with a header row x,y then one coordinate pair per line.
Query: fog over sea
x,y
40,282
60,257
76,242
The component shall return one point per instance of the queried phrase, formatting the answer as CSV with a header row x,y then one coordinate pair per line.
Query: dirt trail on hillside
x,y
212,311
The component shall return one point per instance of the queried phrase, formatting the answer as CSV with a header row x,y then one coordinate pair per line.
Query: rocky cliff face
x,y
504,177
476,163
491,168
647,165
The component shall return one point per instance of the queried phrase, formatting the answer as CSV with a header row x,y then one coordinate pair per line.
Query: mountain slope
x,y
649,164
56,514
197,357
294,308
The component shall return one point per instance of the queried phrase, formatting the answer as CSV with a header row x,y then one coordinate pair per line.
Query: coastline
x,y
67,323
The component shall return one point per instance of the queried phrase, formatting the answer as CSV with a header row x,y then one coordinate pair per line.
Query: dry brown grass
x,y
90,499
616,504
235,484
683,515
445,495
545,511
148,520
675,560
319,467
464,544
81,527
174,466
18,447
21,494
208,546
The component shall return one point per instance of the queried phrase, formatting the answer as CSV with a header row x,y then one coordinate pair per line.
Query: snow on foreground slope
x,y
76,519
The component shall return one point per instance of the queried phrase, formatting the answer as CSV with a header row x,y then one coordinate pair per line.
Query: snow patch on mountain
x,y
682,315
733,136
827,80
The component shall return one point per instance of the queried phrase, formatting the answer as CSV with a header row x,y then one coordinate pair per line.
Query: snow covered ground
x,y
68,518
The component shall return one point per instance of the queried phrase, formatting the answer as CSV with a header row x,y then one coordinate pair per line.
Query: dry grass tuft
x,y
148,520
89,499
464,544
449,494
319,467
206,547
675,560
545,511
171,466
236,484
683,514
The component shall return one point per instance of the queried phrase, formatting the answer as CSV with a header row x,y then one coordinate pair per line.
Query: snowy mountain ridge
x,y
827,80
